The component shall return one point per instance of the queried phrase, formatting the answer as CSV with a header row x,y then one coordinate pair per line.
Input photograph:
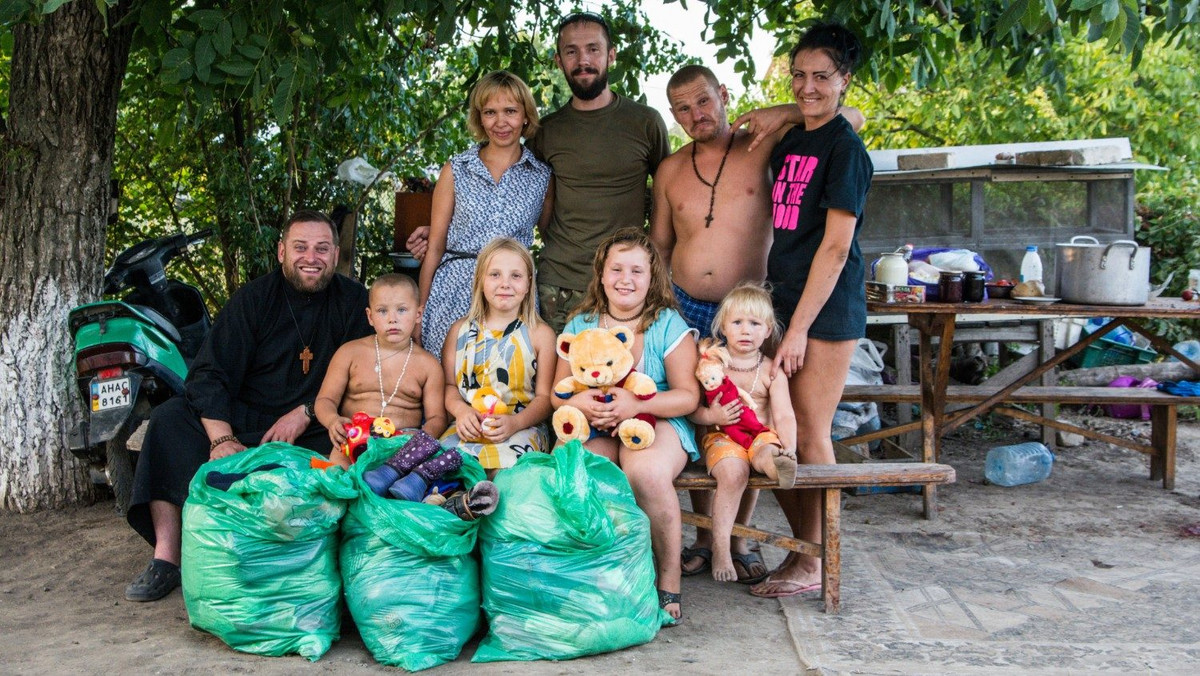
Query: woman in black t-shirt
x,y
822,173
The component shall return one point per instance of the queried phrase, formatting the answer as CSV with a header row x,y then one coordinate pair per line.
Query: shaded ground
x,y
1088,571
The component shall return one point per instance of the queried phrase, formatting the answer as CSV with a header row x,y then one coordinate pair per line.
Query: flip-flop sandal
x,y
666,598
690,553
785,588
746,561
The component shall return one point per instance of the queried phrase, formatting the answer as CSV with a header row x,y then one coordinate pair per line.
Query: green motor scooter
x,y
133,354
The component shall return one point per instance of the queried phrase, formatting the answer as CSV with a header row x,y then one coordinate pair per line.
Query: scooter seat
x,y
162,323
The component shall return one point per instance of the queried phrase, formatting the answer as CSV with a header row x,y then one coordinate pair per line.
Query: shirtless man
x,y
364,371
712,223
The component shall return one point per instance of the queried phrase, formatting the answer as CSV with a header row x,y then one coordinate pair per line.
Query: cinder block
x,y
924,161
1077,157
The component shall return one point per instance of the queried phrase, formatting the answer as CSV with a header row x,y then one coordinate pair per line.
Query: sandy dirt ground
x,y
62,576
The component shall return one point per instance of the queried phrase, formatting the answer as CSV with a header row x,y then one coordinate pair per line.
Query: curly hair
x,y
658,296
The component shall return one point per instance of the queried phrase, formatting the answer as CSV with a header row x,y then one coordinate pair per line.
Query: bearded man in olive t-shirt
x,y
602,148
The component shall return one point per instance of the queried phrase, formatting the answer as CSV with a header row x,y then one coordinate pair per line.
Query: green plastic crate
x,y
1105,352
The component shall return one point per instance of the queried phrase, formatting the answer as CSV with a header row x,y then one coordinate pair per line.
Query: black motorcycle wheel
x,y
119,461
118,468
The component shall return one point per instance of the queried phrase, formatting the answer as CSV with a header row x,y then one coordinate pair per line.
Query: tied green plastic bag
x,y
567,565
411,582
260,559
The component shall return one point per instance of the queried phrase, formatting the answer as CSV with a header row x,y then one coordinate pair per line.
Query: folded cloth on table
x,y
1181,388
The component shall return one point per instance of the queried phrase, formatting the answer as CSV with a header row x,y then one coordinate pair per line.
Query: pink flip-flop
x,y
782,588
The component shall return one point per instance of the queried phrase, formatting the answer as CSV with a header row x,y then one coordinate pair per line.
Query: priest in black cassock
x,y
253,381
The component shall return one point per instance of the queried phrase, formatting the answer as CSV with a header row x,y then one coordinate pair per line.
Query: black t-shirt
x,y
826,168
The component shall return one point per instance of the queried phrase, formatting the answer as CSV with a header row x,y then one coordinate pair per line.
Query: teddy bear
x,y
710,371
600,358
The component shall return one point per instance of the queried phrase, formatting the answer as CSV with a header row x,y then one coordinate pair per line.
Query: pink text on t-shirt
x,y
788,191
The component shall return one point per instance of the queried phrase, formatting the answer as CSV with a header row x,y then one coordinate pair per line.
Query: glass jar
x,y
950,286
973,283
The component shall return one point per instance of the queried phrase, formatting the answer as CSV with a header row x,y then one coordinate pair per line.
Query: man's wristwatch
x,y
308,410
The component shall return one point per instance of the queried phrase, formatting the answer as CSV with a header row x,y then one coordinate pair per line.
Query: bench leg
x,y
831,545
1163,420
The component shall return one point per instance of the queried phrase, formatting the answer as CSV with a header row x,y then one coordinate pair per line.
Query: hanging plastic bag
x,y
1131,410
260,552
567,565
411,581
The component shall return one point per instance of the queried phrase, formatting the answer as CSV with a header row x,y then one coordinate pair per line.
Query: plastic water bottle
x,y
1031,265
1189,349
1018,464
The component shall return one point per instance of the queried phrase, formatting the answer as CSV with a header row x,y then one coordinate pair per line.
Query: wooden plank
x,y
831,541
836,476
1155,308
1162,438
782,541
1021,414
1029,394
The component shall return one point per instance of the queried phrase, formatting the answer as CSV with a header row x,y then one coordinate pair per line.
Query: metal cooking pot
x,y
1092,273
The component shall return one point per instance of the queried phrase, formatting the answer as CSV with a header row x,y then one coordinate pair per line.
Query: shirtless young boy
x,y
385,375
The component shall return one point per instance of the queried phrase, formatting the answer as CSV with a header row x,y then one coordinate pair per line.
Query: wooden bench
x,y
830,479
1163,413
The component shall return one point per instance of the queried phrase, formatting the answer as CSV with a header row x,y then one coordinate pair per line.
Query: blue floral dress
x,y
483,210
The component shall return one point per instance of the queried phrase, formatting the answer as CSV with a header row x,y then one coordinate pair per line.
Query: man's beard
x,y
590,92
298,282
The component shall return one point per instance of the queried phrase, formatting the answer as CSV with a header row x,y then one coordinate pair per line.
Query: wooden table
x,y
935,323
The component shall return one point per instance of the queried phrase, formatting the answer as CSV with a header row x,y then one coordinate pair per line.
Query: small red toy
x,y
358,430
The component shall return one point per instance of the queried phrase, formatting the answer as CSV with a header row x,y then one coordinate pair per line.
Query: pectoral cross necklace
x,y
306,355
712,196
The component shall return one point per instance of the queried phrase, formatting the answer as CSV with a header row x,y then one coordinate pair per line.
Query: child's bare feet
x,y
722,566
784,461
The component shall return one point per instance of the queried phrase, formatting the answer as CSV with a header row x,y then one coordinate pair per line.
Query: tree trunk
x,y
57,160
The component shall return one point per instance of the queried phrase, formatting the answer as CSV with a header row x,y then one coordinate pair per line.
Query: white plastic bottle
x,y
1031,265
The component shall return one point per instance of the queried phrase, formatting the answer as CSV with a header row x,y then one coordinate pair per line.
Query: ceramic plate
x,y
1036,300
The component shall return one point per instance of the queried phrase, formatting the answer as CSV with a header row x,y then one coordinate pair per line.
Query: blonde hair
x,y
527,313
487,87
658,296
751,299
393,280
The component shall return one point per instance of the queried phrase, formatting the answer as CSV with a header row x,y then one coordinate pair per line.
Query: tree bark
x,y
57,159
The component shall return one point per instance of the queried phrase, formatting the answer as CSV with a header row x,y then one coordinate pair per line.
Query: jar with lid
x,y
891,269
973,284
950,286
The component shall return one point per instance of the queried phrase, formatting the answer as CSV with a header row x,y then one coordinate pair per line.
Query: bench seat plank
x,y
1029,394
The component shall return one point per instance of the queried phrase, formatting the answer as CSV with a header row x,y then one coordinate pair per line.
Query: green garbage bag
x,y
260,559
412,584
567,565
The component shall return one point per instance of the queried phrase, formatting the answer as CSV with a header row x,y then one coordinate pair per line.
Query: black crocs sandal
x,y
159,579
666,598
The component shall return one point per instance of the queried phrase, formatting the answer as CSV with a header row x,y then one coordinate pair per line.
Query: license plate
x,y
108,394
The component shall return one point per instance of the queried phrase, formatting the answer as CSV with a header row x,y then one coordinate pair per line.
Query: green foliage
x,y
236,114
910,41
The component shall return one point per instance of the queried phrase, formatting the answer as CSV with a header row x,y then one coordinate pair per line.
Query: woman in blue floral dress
x,y
495,189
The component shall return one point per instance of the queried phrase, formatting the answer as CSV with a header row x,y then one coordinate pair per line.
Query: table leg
x,y
935,377
1046,353
831,542
1162,439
